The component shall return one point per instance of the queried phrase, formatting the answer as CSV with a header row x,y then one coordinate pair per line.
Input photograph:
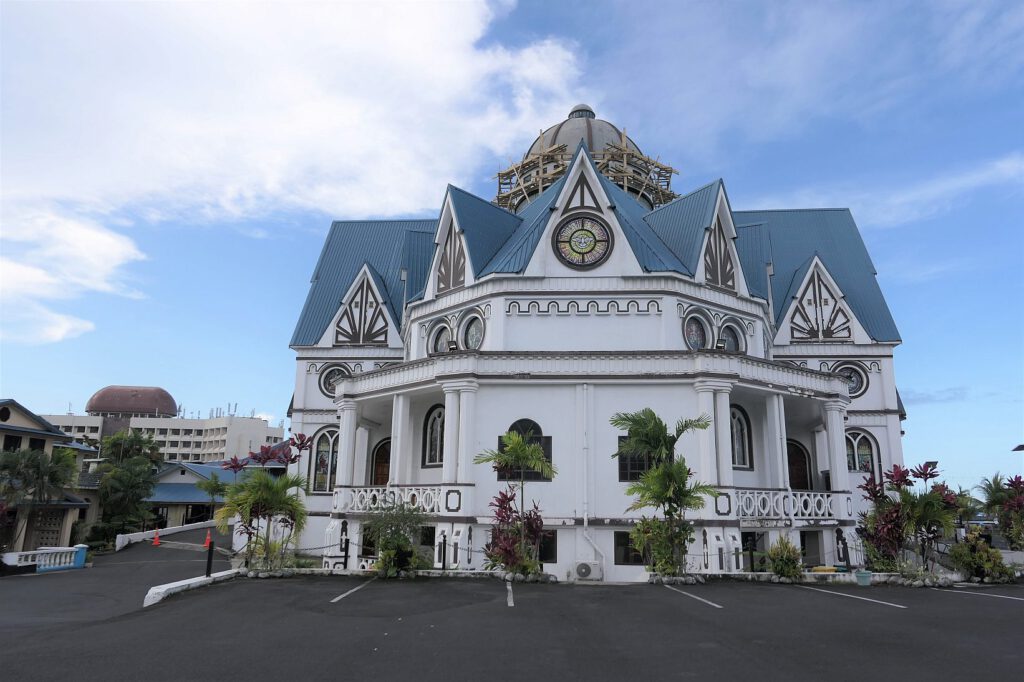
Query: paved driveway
x,y
347,628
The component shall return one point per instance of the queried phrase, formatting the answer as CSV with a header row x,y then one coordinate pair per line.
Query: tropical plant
x,y
30,478
666,486
214,487
1004,501
516,535
784,558
129,444
259,501
975,559
393,530
123,491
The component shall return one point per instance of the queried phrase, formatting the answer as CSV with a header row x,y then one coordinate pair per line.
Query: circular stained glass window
x,y
330,377
695,333
732,339
583,242
473,334
856,377
441,339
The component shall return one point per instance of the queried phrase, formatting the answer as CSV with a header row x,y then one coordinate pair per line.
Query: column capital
x,y
716,385
345,404
460,385
836,405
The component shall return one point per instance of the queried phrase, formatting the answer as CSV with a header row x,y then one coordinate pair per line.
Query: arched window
x,y
433,437
380,464
860,452
534,434
799,464
742,445
324,462
731,339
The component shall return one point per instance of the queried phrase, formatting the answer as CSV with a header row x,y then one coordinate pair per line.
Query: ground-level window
x,y
632,467
625,553
742,444
860,451
548,550
433,437
324,462
12,443
531,431
36,444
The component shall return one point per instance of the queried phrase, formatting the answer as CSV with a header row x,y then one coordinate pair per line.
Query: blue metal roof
x,y
650,251
179,493
681,223
383,245
417,253
485,226
755,252
796,236
515,254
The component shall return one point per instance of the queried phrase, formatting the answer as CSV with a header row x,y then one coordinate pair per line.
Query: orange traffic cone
x,y
156,538
207,543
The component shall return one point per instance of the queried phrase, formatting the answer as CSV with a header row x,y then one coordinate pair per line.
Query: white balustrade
x,y
376,498
753,504
47,558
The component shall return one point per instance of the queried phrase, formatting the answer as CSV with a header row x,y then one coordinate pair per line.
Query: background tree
x,y
129,444
32,478
667,485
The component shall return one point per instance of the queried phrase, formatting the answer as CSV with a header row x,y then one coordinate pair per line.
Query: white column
x,y
835,411
401,441
706,470
346,441
449,469
467,443
776,441
723,437
360,473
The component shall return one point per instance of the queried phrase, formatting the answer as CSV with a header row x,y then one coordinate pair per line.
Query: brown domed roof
x,y
148,400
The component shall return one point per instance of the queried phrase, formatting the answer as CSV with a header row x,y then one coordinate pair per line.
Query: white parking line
x,y
851,596
693,596
509,600
980,594
354,589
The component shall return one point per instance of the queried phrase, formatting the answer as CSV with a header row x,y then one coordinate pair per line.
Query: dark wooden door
x,y
382,464
799,467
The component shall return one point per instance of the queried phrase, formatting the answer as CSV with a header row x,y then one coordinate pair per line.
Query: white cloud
x,y
202,112
886,205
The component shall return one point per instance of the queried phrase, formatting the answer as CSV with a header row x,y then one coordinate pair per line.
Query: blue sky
x,y
169,171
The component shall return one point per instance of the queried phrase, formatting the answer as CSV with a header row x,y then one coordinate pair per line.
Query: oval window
x,y
695,334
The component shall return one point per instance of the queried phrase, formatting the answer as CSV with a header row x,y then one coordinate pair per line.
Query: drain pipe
x,y
586,474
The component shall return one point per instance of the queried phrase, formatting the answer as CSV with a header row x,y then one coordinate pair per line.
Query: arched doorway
x,y
799,466
380,463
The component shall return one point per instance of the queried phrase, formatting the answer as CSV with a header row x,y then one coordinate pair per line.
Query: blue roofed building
x,y
587,286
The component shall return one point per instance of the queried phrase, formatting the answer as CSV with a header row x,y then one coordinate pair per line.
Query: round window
x,y
441,339
855,375
731,338
582,241
695,333
473,334
330,377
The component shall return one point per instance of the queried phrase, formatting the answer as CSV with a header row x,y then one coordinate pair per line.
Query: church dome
x,y
128,400
582,124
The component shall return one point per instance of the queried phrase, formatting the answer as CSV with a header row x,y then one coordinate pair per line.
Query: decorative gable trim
x,y
719,264
363,319
819,313
451,268
581,196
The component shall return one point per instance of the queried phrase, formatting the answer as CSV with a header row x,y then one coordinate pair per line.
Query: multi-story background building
x,y
153,411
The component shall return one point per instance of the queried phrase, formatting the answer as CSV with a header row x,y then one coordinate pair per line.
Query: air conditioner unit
x,y
589,570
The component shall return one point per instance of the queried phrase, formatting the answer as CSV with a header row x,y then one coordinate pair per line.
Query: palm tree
x,y
994,494
131,443
123,491
667,484
518,454
214,487
32,478
260,496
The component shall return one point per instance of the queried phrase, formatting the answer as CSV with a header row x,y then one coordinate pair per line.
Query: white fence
x,y
130,538
47,559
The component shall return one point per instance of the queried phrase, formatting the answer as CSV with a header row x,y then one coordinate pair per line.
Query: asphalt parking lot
x,y
348,628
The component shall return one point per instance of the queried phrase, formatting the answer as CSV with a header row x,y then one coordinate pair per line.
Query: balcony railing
x,y
368,499
775,507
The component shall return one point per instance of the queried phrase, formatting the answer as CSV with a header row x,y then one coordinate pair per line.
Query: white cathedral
x,y
588,287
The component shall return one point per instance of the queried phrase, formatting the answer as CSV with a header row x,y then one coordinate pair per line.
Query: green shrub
x,y
976,559
784,558
664,544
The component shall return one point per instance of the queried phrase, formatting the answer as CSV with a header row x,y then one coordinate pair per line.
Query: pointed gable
x,y
681,224
363,320
484,226
817,313
451,267
388,246
797,236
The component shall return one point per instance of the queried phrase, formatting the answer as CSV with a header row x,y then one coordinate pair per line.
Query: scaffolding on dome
x,y
639,175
